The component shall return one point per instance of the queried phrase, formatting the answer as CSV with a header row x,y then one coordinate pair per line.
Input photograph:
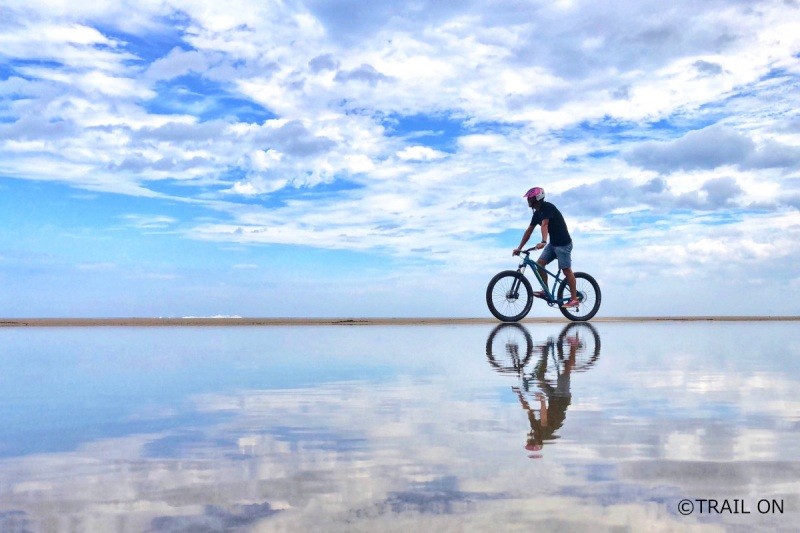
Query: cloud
x,y
292,138
364,73
773,154
71,45
707,67
719,193
613,37
177,63
420,153
620,194
322,63
700,149
34,127
176,132
149,222
712,147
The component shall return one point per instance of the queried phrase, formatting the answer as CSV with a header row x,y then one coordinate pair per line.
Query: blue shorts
x,y
563,253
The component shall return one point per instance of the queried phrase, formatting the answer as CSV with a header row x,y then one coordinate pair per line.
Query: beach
x,y
291,321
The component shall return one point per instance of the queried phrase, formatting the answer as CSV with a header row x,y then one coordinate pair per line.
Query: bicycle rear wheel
x,y
509,296
588,294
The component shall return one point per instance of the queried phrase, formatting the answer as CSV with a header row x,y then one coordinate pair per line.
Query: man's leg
x,y
564,254
573,289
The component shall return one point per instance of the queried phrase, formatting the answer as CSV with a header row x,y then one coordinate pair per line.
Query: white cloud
x,y
177,63
419,153
150,221
256,186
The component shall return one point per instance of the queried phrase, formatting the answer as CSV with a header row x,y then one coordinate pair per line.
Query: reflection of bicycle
x,y
509,347
543,390
586,339
510,296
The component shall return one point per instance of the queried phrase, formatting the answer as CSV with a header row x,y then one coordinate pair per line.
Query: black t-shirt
x,y
557,228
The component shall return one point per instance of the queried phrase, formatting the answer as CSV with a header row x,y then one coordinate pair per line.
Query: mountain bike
x,y
510,295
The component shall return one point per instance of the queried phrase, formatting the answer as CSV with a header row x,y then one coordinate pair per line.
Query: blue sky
x,y
320,158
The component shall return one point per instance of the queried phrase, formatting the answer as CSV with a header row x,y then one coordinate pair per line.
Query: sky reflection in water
x,y
365,428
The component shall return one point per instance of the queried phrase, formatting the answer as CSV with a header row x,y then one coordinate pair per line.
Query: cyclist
x,y
560,245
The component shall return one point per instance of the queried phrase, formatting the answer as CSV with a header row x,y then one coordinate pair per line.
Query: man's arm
x,y
525,237
545,232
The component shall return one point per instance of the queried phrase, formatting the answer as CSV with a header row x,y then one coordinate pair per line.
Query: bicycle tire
x,y
589,350
505,306
589,293
503,348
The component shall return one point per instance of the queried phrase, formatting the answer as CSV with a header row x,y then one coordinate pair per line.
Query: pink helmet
x,y
536,193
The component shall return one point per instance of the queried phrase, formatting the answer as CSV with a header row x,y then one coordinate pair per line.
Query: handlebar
x,y
527,252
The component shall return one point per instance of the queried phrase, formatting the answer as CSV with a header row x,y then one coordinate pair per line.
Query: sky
x,y
341,158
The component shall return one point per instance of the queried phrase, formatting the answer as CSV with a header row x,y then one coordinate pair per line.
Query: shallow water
x,y
458,428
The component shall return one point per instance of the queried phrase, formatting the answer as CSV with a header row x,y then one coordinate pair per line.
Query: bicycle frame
x,y
550,294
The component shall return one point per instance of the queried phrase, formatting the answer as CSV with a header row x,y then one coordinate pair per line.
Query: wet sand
x,y
255,321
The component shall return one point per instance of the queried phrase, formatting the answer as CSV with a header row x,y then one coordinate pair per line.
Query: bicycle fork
x,y
513,292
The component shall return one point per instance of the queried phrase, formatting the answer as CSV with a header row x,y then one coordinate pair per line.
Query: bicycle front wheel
x,y
509,296
509,347
588,294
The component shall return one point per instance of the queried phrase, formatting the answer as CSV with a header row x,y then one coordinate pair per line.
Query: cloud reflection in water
x,y
431,432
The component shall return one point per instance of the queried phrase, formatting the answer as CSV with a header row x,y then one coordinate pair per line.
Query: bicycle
x,y
509,294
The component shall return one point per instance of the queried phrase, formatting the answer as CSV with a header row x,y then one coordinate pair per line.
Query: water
x,y
368,428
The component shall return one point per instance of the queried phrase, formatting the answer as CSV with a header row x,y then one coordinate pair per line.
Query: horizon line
x,y
362,321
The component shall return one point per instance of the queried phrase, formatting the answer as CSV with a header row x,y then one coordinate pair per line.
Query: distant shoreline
x,y
244,321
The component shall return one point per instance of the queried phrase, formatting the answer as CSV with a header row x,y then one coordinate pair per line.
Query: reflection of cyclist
x,y
535,440
560,246
553,400
576,349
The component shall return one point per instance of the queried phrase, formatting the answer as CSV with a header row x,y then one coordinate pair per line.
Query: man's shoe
x,y
540,294
572,303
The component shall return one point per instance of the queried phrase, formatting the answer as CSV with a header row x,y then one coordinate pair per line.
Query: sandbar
x,y
256,321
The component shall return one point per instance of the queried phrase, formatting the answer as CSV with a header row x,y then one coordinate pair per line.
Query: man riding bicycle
x,y
560,245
